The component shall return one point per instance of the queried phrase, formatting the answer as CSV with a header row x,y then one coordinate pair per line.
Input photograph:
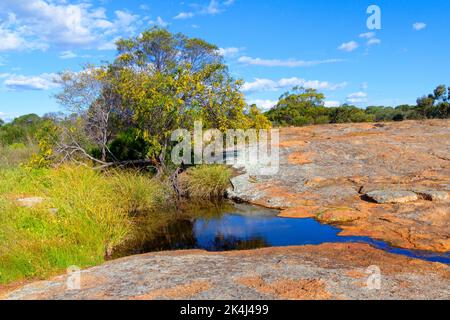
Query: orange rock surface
x,y
327,171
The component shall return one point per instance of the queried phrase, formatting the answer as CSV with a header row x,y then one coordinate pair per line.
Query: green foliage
x,y
436,104
20,130
207,181
348,113
168,81
257,119
128,145
46,135
298,108
306,107
158,83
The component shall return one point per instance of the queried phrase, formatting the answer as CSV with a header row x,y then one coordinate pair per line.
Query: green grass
x,y
93,216
207,181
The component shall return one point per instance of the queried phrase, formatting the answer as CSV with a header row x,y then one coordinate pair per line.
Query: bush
x,y
206,181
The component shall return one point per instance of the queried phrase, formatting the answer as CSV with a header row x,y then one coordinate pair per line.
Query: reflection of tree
x,y
205,209
222,243
175,235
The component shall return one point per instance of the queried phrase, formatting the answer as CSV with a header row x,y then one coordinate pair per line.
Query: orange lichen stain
x,y
299,212
274,192
303,289
292,143
88,281
355,274
340,215
179,292
300,158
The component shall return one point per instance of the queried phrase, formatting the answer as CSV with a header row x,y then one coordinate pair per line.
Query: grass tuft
x,y
207,181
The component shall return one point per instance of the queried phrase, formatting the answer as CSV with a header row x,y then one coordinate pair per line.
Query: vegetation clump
x,y
207,181
307,107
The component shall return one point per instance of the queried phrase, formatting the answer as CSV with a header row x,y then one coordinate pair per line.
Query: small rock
x,y
392,196
53,211
30,202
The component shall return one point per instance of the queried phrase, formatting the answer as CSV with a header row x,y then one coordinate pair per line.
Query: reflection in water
x,y
225,226
223,243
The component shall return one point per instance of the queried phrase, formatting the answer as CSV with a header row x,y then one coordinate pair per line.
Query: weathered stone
x,y
350,160
392,196
432,195
340,216
30,202
328,271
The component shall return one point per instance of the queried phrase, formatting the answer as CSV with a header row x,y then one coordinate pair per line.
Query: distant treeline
x,y
302,106
298,107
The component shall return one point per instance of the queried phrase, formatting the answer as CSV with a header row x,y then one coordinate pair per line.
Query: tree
x,y
347,113
126,111
167,81
2,122
90,95
435,105
440,93
299,107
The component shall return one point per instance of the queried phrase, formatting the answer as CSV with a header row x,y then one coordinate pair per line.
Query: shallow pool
x,y
242,227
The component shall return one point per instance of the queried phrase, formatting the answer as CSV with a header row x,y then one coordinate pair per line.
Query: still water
x,y
239,226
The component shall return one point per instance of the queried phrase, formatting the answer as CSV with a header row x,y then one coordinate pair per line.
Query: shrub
x,y
207,181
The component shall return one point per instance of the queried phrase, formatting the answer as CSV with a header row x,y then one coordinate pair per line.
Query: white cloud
x,y
184,15
108,45
332,104
357,97
373,41
263,104
71,55
39,24
67,55
10,40
124,21
45,81
159,22
230,52
290,63
349,46
212,8
419,26
367,35
260,85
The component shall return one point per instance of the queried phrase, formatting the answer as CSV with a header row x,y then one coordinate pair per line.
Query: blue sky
x,y
271,44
